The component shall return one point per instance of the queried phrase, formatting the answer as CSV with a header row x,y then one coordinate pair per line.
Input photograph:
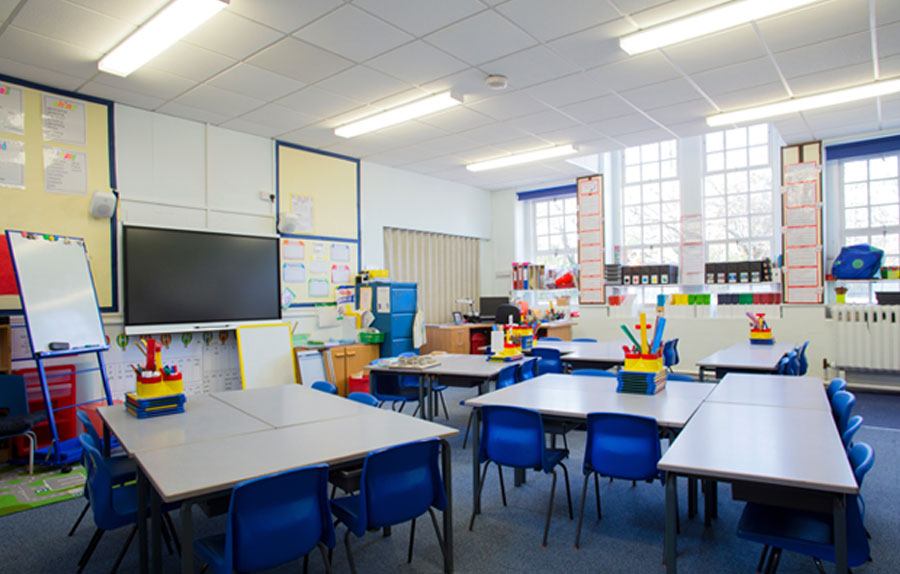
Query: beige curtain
x,y
445,267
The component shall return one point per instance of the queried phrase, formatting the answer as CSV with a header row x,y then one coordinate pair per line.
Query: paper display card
x,y
589,268
803,295
801,236
589,186
293,273
796,172
590,222
800,194
340,252
65,171
12,163
327,316
590,204
800,216
365,298
591,237
802,256
12,115
64,120
318,251
287,297
303,207
591,253
319,267
592,296
340,273
319,287
384,300
692,263
292,249
592,282
692,229
803,276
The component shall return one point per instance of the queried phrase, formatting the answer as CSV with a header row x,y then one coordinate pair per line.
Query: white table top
x,y
474,366
288,405
573,396
773,445
771,390
204,419
745,355
201,468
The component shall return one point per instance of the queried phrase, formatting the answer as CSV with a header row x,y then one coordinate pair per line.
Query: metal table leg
x,y
840,533
476,438
187,537
448,512
142,486
692,497
155,532
422,382
707,503
671,519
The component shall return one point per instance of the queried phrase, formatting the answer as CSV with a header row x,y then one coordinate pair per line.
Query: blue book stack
x,y
144,408
641,383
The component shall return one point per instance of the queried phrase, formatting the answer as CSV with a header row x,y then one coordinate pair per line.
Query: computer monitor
x,y
487,306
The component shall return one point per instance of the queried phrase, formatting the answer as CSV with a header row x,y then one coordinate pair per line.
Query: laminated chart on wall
x,y
54,150
590,239
692,250
310,272
802,223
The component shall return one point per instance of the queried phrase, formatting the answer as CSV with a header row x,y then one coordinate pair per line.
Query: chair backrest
x,y
862,457
550,339
835,386
801,355
13,395
505,312
622,446
99,485
85,421
581,340
512,436
400,483
364,398
384,386
841,404
789,364
668,353
325,387
527,369
680,377
278,518
507,376
675,347
550,360
594,373
852,426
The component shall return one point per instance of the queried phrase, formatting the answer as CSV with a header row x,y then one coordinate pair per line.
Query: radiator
x,y
867,337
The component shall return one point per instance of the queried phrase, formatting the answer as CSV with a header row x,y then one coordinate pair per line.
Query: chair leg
x,y
92,545
762,558
80,518
306,563
32,439
587,477
444,404
325,558
565,442
412,537
549,509
502,487
437,532
131,534
468,425
480,488
819,566
568,492
349,553
333,491
597,492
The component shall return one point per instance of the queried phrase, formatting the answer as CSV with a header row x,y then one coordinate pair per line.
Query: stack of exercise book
x,y
641,383
144,408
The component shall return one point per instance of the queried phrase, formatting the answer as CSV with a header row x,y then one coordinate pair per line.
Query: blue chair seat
x,y
347,508
594,373
16,425
680,377
211,550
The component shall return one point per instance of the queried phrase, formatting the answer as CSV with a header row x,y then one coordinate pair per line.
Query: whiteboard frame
x,y
244,343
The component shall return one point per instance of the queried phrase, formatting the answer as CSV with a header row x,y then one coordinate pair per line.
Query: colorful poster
x,y
12,163
65,171
12,115
64,120
292,249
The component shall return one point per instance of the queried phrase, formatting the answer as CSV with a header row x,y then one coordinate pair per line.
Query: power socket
x,y
267,196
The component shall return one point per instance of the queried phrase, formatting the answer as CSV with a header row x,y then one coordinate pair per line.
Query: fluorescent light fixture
x,y
526,157
169,25
400,114
806,103
728,16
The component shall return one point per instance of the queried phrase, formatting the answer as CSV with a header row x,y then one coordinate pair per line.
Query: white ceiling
x,y
293,70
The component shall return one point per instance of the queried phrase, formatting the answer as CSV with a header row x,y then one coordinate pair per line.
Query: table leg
x,y
671,505
431,382
692,497
422,407
187,537
448,512
707,503
155,533
714,484
700,374
476,438
518,476
840,534
107,440
142,486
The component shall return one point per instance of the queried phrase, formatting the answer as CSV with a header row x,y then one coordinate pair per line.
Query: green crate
x,y
371,337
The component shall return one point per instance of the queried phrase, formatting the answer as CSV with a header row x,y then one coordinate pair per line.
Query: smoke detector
x,y
496,81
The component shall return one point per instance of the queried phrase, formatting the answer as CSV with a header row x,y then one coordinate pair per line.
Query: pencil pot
x,y
174,384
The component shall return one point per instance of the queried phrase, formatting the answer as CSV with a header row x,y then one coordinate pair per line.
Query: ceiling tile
x,y
683,112
542,122
457,119
33,49
39,75
155,83
134,11
739,76
232,35
417,63
889,67
299,60
752,96
446,145
72,24
256,82
844,51
659,12
506,106
624,124
203,115
529,67
363,84
469,82
640,70
887,11
726,48
595,46
317,136
353,34
888,40
481,38
832,79
318,102
191,62
832,20
493,134
248,127
576,135
852,114
279,117
662,94
645,137
690,128
568,90
547,20
597,109
523,144
120,96
890,109
420,17
6,8
223,102
283,15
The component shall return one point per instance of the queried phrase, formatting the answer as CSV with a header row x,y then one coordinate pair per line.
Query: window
x,y
739,203
556,231
651,205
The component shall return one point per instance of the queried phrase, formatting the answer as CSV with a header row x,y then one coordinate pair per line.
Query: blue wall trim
x,y
548,192
861,148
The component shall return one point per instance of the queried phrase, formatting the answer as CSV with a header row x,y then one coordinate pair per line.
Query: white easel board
x,y
57,291
312,367
266,354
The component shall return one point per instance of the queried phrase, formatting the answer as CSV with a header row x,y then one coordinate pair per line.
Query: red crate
x,y
62,394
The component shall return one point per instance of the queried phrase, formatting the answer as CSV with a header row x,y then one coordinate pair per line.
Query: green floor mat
x,y
19,491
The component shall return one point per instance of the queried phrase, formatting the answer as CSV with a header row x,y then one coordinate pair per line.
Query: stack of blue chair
x,y
413,383
789,364
325,387
803,364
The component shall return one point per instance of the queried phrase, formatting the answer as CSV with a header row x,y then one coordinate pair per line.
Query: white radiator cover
x,y
867,337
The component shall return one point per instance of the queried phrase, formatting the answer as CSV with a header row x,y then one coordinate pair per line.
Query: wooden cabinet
x,y
450,338
5,349
561,329
348,360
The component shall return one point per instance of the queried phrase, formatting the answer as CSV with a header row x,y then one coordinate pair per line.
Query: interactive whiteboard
x,y
57,292
267,355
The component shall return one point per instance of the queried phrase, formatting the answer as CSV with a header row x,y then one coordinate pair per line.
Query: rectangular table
x,y
771,390
745,357
289,405
583,355
796,448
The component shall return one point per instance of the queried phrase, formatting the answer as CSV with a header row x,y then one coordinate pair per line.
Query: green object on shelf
x,y
300,340
692,299
745,299
371,337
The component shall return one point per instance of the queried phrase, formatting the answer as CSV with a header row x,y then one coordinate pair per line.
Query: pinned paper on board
x,y
65,171
340,273
318,287
340,252
800,194
292,249
12,162
64,120
303,208
800,216
12,114
797,172
287,297
317,251
318,267
801,236
365,298
293,272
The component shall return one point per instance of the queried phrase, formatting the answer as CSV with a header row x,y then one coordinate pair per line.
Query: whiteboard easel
x,y
266,353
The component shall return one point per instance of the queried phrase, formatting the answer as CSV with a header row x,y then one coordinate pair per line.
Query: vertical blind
x,y
444,266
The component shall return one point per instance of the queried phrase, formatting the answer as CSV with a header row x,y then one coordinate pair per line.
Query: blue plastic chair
x,y
680,377
841,405
272,520
398,484
387,387
112,507
527,369
805,532
550,339
668,353
618,446
413,382
508,376
801,356
364,398
513,436
853,425
580,340
594,373
18,420
550,360
789,364
835,386
325,387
